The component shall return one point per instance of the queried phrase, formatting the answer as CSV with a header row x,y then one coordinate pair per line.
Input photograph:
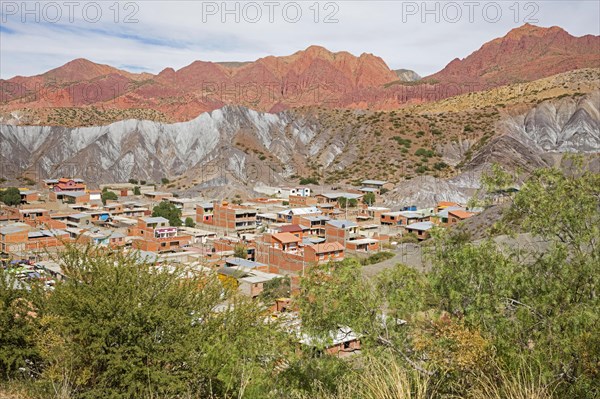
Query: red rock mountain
x,y
525,53
314,76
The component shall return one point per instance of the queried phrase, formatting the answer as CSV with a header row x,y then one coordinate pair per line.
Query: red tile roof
x,y
286,238
328,247
290,228
461,214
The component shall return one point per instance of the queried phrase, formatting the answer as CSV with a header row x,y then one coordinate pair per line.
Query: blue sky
x,y
152,35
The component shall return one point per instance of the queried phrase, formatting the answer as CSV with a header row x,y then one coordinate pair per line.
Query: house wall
x,y
421,235
369,247
343,348
298,201
13,242
204,217
333,233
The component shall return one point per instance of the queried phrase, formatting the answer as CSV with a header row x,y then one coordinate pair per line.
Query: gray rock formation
x,y
407,75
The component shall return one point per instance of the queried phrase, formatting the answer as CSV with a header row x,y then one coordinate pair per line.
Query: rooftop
x,y
243,263
422,226
342,224
341,195
156,219
286,238
290,228
462,214
374,182
327,247
300,211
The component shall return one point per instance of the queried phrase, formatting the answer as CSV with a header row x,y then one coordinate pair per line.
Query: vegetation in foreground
x,y
489,321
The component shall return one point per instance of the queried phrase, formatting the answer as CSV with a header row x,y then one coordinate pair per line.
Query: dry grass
x,y
379,379
524,384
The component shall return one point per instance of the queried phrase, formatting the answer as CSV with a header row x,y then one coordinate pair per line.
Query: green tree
x,y
535,298
19,316
336,294
121,328
277,288
347,202
137,191
369,198
494,183
168,211
240,251
11,196
189,222
108,195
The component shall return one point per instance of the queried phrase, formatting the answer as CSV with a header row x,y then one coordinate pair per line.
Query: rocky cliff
x,y
238,146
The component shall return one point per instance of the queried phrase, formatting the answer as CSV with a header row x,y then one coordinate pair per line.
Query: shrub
x,y
377,258
108,196
440,165
11,196
422,152
189,222
309,180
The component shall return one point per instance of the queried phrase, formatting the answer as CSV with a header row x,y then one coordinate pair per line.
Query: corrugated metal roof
x,y
423,226
342,224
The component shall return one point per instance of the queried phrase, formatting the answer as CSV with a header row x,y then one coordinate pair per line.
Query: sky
x,y
150,35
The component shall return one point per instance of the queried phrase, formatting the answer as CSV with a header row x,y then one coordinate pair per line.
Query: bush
x,y
440,165
164,180
108,196
377,258
309,180
409,238
11,196
422,152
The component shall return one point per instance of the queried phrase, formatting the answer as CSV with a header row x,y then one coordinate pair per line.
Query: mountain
x,y
83,93
407,75
312,76
524,54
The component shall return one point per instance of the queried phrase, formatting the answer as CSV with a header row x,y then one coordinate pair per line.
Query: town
x,y
251,242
